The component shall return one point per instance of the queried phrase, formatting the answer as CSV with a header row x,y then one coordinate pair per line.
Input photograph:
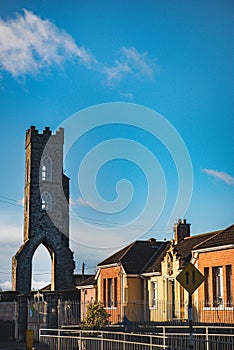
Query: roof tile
x,y
221,238
135,257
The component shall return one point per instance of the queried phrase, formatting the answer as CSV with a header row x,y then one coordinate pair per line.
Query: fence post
x,y
102,340
80,340
207,338
59,337
164,337
151,343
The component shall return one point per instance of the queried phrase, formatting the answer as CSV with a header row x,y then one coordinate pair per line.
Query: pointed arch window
x,y
169,264
46,169
46,201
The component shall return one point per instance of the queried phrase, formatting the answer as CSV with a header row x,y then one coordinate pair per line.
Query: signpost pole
x,y
190,278
190,316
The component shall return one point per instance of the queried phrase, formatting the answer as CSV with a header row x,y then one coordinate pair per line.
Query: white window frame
x,y
219,285
154,294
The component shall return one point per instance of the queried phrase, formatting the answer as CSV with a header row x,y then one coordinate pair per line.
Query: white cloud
x,y
139,63
29,44
36,285
11,238
221,175
21,202
72,202
80,202
6,285
130,62
115,74
127,95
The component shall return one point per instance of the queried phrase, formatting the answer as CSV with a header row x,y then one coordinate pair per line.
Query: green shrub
x,y
96,317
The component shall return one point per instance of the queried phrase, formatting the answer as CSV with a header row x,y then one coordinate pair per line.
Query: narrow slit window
x,y
229,285
115,292
46,169
206,287
109,292
104,292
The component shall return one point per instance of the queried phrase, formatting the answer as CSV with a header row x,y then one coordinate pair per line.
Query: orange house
x,y
121,286
215,259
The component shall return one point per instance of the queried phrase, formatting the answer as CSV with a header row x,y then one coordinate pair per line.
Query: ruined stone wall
x,y
46,211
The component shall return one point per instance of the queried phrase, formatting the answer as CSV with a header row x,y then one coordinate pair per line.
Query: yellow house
x,y
156,286
168,299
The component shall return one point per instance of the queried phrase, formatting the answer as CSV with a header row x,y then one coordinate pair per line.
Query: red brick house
x,y
215,259
121,287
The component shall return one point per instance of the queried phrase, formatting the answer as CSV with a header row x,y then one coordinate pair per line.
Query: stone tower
x,y
46,212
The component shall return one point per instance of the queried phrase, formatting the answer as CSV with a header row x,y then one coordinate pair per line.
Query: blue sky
x,y
173,57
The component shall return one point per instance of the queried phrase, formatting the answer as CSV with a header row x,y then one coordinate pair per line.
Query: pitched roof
x,y
221,238
135,257
91,281
79,278
184,247
155,265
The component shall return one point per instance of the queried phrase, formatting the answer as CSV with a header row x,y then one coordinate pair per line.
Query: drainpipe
x,y
145,296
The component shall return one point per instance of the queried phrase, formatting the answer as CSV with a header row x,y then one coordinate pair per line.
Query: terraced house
x,y
138,283
215,259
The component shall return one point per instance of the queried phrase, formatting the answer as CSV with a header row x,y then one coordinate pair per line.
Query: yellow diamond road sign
x,y
190,278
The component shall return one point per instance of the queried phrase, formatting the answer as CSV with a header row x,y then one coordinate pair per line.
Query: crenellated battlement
x,y
33,135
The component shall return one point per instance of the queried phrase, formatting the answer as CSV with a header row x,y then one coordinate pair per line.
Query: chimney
x,y
181,230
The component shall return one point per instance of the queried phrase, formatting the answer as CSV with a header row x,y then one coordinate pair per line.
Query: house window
x,y
154,293
46,201
104,291
46,169
206,286
217,273
109,292
229,284
115,292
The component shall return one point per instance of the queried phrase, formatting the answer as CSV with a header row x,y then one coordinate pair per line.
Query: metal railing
x,y
59,339
71,312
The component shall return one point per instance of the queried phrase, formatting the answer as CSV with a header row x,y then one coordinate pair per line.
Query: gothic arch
x,y
22,264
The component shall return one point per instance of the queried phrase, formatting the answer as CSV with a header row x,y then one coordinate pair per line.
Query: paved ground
x,y
19,346
12,346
